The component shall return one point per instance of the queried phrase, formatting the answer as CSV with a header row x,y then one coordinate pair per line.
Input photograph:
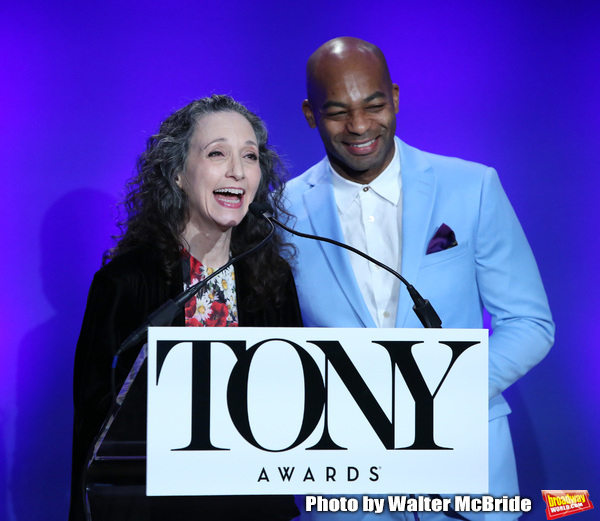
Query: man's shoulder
x,y
457,164
450,173
411,156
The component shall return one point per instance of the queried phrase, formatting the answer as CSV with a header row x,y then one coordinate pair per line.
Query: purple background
x,y
514,85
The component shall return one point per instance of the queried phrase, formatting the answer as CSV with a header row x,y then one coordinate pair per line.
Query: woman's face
x,y
222,172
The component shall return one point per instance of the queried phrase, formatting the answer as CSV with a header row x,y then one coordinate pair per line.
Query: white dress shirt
x,y
371,217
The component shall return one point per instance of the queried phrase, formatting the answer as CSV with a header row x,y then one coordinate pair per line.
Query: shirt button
x,y
386,314
371,219
366,189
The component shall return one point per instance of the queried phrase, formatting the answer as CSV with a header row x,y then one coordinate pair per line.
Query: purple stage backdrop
x,y
511,84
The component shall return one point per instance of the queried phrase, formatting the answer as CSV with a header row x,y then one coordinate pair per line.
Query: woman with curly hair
x,y
186,216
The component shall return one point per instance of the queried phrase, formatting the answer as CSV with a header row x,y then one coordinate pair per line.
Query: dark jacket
x,y
122,295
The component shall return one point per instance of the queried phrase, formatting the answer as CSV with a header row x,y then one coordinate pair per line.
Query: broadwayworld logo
x,y
560,503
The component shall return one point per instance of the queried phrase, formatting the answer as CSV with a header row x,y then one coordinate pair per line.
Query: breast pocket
x,y
448,279
445,255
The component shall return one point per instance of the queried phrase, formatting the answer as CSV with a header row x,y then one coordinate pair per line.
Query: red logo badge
x,y
560,503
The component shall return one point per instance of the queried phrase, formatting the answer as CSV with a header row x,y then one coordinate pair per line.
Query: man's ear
x,y
396,97
308,114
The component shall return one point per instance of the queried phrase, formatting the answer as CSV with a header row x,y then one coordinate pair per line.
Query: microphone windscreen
x,y
259,209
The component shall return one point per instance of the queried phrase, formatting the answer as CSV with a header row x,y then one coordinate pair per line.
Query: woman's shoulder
x,y
138,262
138,277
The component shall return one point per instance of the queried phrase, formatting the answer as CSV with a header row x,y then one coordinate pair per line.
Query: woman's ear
x,y
178,181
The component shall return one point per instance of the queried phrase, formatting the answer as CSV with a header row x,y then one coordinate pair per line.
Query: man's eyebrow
x,y
374,96
338,104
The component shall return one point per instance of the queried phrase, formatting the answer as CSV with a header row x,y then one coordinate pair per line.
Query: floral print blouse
x,y
215,304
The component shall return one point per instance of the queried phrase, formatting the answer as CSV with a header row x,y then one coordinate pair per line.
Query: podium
x,y
115,475
249,412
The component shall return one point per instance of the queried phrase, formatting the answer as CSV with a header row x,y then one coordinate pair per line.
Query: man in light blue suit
x,y
444,223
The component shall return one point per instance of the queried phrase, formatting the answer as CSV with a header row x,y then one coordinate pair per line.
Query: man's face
x,y
354,106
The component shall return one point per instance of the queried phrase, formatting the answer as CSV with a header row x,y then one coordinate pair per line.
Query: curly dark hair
x,y
157,209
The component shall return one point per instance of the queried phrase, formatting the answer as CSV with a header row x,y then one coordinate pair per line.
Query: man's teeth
x,y
363,145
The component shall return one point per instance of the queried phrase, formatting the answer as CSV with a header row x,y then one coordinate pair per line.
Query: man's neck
x,y
363,177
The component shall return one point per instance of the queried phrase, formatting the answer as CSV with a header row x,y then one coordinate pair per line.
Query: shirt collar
x,y
388,184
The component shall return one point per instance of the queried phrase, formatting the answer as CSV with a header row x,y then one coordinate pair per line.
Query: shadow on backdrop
x,y
75,231
530,463
3,468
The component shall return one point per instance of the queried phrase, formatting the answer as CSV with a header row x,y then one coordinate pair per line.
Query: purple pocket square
x,y
443,239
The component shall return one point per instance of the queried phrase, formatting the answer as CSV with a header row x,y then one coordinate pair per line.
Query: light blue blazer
x,y
492,266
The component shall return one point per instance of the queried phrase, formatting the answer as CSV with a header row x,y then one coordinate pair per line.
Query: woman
x,y
186,215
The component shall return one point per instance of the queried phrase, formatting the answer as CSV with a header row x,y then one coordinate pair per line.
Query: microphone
x,y
422,307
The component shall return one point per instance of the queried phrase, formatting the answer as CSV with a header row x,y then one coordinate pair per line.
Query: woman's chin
x,y
227,224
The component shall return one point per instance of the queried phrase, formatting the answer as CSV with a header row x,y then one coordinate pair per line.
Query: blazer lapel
x,y
418,195
322,212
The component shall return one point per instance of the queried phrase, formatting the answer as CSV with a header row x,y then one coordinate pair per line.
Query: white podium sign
x,y
317,411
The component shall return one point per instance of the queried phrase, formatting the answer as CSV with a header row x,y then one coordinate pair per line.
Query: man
x,y
444,223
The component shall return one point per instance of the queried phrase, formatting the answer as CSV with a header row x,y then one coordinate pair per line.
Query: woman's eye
x,y
252,156
215,153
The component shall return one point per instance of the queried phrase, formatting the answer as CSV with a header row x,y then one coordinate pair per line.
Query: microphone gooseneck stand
x,y
422,307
